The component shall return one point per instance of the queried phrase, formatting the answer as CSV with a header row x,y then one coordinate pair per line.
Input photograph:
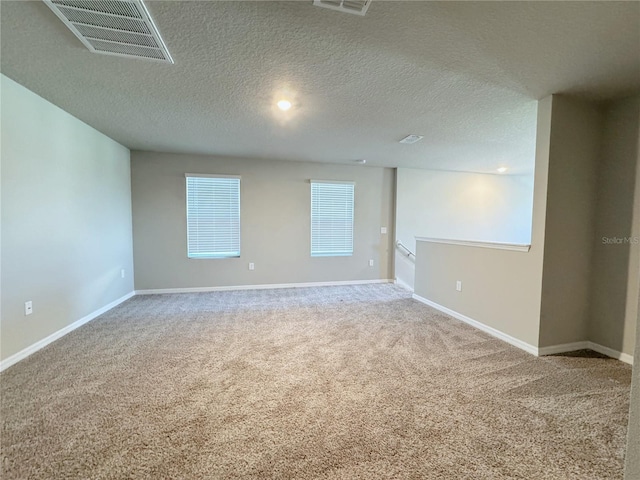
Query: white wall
x,y
460,206
66,219
501,289
275,223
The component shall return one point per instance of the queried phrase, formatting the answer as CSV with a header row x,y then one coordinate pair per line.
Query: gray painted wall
x,y
66,219
501,289
275,223
574,155
588,290
615,265
460,206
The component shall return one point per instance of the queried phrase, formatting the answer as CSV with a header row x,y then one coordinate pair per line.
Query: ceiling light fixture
x,y
362,161
502,169
412,139
284,105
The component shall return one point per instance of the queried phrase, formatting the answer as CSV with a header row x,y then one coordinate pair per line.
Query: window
x,y
213,216
331,218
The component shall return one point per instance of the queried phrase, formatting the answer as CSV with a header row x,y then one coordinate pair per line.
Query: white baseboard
x,y
480,326
586,345
397,281
552,350
563,348
267,286
22,354
610,352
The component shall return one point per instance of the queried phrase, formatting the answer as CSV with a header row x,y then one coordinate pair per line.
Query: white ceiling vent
x,y
113,27
359,7
411,139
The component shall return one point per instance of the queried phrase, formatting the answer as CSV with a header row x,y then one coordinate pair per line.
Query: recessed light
x,y
412,139
284,105
502,169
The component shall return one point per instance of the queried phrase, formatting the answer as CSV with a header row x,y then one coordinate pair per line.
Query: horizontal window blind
x,y
331,219
213,217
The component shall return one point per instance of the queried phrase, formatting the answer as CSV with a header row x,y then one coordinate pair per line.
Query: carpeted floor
x,y
329,383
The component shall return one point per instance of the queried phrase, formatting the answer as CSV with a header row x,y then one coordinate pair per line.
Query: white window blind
x,y
331,219
213,216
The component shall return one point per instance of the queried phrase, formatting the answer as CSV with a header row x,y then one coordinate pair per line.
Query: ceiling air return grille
x,y
359,7
113,27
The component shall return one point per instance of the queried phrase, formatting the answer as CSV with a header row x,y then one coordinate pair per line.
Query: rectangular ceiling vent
x,y
359,7
411,139
113,27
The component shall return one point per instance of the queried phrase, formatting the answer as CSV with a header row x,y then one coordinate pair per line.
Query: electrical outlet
x,y
28,307
122,273
252,266
383,230
459,285
371,263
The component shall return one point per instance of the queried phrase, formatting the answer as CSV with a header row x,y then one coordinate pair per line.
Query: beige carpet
x,y
329,383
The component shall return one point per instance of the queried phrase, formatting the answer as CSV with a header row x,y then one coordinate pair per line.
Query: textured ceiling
x,y
466,75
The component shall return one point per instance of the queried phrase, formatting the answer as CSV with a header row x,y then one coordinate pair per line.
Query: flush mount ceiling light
x,y
358,7
113,27
502,169
284,105
412,139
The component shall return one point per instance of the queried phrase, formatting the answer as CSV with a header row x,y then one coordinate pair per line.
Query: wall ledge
x,y
518,247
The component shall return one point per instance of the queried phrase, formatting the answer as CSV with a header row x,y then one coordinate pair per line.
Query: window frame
x,y
335,252
214,255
